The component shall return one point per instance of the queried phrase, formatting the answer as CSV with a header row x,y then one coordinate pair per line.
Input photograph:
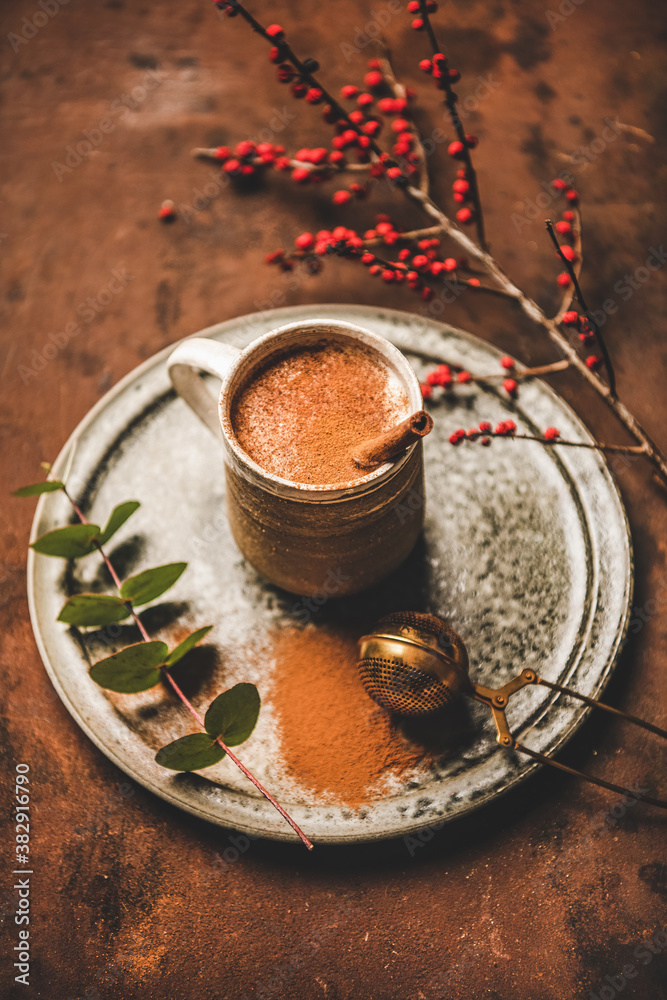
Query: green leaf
x,y
132,669
67,543
52,486
233,714
190,753
184,647
93,609
119,516
146,586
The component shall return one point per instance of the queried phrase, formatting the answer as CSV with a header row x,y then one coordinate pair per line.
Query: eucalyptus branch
x,y
234,711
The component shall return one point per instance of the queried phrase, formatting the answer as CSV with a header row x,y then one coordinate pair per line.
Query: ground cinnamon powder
x,y
335,741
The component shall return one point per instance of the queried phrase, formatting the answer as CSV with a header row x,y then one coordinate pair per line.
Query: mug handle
x,y
196,355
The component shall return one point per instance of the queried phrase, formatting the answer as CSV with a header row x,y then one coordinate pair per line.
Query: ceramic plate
x,y
526,550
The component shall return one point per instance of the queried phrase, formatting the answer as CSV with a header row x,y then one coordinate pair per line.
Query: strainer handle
x,y
589,777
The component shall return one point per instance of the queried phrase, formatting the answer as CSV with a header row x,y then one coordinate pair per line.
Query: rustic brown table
x,y
557,890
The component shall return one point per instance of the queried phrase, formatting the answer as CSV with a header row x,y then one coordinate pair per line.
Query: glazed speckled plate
x,y
526,551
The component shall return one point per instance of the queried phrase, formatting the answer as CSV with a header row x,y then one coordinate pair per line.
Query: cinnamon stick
x,y
389,445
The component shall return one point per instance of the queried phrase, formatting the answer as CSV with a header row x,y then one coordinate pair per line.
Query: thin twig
x,y
620,449
577,245
450,102
582,303
400,91
166,675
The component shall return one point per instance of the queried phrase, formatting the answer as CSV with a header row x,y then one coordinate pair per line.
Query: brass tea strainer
x,y
414,663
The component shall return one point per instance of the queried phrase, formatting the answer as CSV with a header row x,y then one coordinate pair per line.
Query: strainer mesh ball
x,y
397,685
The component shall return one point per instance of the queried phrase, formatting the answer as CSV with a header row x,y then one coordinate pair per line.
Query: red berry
x,y
559,185
231,166
418,24
367,258
305,241
464,215
456,149
461,187
427,293
572,196
570,317
485,441
365,100
419,261
285,74
457,436
275,55
341,197
569,254
394,173
475,282
299,90
245,148
301,175
275,31
464,377
373,79
374,269
349,92
413,6
569,216
551,434
564,279
564,228
507,362
450,264
400,125
166,212
314,95
426,66
427,391
485,427
594,361
388,275
454,76
510,386
472,141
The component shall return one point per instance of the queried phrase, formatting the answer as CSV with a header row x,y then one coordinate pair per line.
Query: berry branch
x,y
460,149
485,433
580,299
353,131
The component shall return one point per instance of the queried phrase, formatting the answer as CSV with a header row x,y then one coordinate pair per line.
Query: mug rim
x,y
318,490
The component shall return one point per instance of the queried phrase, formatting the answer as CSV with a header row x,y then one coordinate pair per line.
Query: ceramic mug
x,y
307,538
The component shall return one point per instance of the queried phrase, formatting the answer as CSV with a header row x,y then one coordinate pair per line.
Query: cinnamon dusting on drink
x,y
302,414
